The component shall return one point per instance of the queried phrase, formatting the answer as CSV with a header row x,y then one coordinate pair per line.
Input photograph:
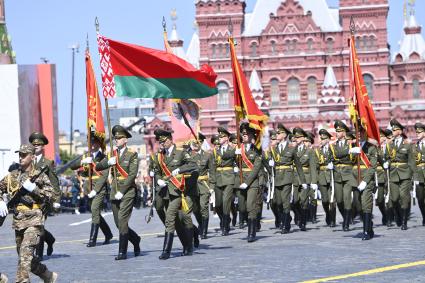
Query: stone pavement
x,y
320,252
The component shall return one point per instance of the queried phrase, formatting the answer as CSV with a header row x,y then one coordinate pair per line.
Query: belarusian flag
x,y
140,72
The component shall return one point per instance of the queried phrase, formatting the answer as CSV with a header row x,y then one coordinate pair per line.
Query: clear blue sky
x,y
47,28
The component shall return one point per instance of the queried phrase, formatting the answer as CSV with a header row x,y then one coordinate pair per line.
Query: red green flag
x,y
140,72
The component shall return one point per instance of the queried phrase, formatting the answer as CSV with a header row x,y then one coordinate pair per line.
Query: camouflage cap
x,y
26,148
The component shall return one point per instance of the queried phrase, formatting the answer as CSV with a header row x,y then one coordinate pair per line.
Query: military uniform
x,y
343,162
323,156
28,219
35,139
161,194
419,176
224,163
382,182
285,157
367,185
99,188
123,191
267,161
314,188
402,166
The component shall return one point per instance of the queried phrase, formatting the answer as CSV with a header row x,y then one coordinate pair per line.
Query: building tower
x,y
7,55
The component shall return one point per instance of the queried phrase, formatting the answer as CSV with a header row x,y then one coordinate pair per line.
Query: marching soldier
x,y
313,192
39,140
176,167
205,163
420,168
356,207
269,163
161,194
308,164
343,172
381,178
251,166
237,196
32,190
225,161
402,164
366,186
285,157
98,190
323,157
123,191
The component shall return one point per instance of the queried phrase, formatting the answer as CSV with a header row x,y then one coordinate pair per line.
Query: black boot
x,y
327,216
135,241
168,245
40,249
286,223
390,216
106,231
398,215
241,219
93,235
281,220
304,213
204,228
404,216
341,209
258,223
252,230
188,249
366,227
347,220
226,225
195,236
122,250
332,217
383,212
50,240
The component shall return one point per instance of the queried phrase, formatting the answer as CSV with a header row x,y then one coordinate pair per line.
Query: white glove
x,y
161,183
92,194
271,163
243,186
416,183
118,196
355,150
56,205
29,186
314,186
112,161
236,169
238,151
175,172
386,165
86,160
362,186
305,187
330,166
151,173
3,209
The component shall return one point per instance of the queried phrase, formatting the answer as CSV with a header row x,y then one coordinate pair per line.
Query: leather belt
x,y
203,178
284,167
23,207
224,168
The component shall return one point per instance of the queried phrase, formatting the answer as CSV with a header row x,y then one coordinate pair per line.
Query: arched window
x,y
293,91
220,51
365,44
416,90
274,92
223,95
371,42
358,42
330,45
310,44
213,51
227,50
312,90
254,49
273,47
293,46
368,81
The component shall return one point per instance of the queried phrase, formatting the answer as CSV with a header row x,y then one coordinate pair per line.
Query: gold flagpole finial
x,y
352,25
87,42
164,24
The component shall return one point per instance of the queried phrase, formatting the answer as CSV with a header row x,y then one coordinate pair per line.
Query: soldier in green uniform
x,y
419,178
236,206
381,178
225,161
269,163
123,192
98,189
308,163
176,171
402,165
324,163
161,194
251,166
356,207
366,186
285,157
206,181
343,161
39,140
314,188
28,218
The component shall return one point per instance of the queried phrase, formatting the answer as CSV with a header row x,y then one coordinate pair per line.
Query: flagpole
x,y
88,126
108,118
356,123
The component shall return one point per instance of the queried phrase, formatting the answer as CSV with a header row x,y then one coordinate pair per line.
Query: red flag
x,y
360,108
245,105
94,106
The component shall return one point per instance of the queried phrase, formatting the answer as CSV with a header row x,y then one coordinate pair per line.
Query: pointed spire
x,y
330,79
193,51
254,82
330,89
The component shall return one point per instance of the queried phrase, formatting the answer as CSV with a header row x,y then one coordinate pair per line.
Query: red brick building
x,y
295,54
